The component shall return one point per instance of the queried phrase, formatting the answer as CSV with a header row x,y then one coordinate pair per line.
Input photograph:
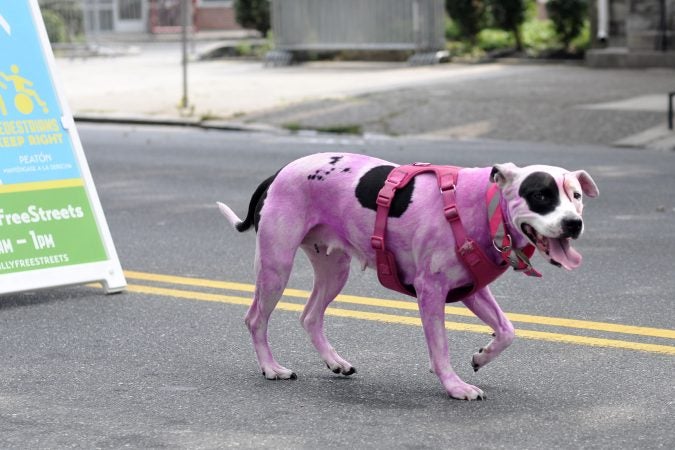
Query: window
x,y
215,3
130,9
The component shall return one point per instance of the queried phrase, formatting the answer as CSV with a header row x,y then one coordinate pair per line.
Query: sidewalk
x,y
566,104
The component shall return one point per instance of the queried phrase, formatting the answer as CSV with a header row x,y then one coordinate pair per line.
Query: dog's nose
x,y
572,227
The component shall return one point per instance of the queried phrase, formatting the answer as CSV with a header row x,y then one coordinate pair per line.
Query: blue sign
x,y
52,228
34,146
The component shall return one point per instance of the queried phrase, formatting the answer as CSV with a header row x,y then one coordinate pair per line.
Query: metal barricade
x,y
327,25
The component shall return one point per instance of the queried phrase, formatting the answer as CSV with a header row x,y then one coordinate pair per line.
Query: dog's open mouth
x,y
558,250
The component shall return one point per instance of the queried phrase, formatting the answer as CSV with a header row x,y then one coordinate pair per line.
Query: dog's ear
x,y
588,186
503,174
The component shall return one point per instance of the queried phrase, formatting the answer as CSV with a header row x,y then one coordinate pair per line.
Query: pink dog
x,y
326,204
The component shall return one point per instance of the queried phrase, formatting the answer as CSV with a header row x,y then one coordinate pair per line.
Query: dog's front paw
x,y
277,372
479,359
464,391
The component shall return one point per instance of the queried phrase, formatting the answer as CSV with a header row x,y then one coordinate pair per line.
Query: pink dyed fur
x,y
312,205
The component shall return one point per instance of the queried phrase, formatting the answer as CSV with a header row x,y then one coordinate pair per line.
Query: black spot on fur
x,y
255,205
370,184
334,160
317,175
258,208
541,192
347,169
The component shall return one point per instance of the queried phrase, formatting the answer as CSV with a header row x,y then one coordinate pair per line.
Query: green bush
x,y
452,30
56,27
539,36
583,40
509,15
253,14
491,39
70,11
468,16
568,18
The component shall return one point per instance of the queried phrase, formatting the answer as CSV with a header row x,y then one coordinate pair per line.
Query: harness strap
x,y
387,271
482,269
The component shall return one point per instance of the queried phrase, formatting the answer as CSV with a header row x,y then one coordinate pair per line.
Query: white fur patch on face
x,y
572,189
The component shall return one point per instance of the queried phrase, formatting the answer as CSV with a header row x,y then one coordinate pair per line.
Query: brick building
x,y
156,16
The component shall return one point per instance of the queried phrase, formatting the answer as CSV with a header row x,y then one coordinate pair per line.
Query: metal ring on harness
x,y
506,248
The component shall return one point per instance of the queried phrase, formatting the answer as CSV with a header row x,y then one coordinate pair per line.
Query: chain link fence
x,y
82,28
64,20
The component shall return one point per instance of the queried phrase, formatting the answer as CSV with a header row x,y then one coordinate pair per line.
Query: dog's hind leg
x,y
484,305
330,275
274,261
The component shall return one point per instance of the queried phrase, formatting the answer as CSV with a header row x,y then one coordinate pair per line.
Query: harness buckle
x,y
384,199
451,213
446,182
377,242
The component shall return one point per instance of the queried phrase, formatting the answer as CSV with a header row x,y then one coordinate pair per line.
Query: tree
x,y
509,15
253,14
469,16
568,18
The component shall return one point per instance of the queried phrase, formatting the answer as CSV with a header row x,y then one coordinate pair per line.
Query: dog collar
x,y
517,258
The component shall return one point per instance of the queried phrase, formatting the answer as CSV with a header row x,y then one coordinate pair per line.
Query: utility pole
x,y
185,16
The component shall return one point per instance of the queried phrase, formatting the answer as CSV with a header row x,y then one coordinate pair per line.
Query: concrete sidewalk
x,y
552,103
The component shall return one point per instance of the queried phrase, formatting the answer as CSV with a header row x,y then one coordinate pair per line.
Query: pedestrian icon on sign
x,y
23,100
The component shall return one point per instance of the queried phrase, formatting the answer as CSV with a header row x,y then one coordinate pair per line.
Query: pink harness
x,y
483,270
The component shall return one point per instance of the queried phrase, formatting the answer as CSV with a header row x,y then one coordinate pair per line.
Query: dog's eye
x,y
539,197
577,196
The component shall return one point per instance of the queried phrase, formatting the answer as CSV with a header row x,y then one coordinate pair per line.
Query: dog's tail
x,y
230,216
254,208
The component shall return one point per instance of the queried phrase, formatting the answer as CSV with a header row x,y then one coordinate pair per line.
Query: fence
x,y
305,25
64,20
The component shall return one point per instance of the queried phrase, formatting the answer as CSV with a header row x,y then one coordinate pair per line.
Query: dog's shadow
x,y
409,392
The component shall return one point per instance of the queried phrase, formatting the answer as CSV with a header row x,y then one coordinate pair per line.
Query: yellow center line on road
x,y
409,305
407,320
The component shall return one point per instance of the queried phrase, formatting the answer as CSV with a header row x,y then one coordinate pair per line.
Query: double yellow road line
x,y
623,336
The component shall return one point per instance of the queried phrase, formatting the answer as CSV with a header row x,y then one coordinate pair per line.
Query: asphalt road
x,y
169,363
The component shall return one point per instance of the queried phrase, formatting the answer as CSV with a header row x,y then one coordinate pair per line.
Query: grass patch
x,y
335,129
209,116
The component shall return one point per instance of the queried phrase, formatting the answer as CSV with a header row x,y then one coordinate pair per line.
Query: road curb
x,y
134,119
656,138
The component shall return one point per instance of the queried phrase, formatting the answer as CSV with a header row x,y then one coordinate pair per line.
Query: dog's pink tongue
x,y
561,251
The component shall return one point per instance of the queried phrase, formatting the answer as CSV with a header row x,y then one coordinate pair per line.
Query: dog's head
x,y
545,204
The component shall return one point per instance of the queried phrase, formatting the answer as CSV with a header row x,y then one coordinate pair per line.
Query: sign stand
x,y
52,228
